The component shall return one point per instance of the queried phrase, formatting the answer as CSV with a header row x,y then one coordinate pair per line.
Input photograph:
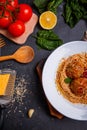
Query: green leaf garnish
x,y
67,80
47,39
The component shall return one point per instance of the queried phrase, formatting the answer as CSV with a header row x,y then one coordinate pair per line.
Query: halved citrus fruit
x,y
48,20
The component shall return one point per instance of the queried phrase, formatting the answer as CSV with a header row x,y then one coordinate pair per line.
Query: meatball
x,y
75,69
79,86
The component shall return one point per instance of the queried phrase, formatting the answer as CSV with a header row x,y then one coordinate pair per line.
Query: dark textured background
x,y
34,98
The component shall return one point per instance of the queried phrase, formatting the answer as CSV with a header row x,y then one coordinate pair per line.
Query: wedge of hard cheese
x,y
4,79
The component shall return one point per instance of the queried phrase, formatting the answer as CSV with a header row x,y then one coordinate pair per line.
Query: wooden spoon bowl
x,y
24,54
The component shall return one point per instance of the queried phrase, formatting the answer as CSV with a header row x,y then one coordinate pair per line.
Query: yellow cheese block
x,y
4,79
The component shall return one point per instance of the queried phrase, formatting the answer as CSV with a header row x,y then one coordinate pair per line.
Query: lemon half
x,y
48,20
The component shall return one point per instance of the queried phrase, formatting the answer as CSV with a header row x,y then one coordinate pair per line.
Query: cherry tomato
x,y
25,12
10,4
5,19
2,4
17,28
2,1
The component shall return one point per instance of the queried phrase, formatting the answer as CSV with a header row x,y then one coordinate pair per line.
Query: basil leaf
x,y
41,5
67,80
74,11
47,44
83,1
48,34
53,5
44,5
47,39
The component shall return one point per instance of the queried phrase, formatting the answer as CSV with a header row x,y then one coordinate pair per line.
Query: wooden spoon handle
x,y
3,58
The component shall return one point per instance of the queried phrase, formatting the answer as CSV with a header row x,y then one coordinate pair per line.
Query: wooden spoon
x,y
24,54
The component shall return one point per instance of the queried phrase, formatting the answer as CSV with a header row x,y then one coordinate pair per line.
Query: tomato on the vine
x,y
5,19
12,4
24,12
2,1
17,28
13,16
9,4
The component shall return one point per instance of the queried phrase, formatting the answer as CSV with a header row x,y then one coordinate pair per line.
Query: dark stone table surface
x,y
16,114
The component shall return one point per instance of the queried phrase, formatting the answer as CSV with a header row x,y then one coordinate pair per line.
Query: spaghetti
x,y
75,68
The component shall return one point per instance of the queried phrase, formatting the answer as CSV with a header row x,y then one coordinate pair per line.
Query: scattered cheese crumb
x,y
18,100
30,112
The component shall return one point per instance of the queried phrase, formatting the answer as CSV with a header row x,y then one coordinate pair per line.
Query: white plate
x,y
74,111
